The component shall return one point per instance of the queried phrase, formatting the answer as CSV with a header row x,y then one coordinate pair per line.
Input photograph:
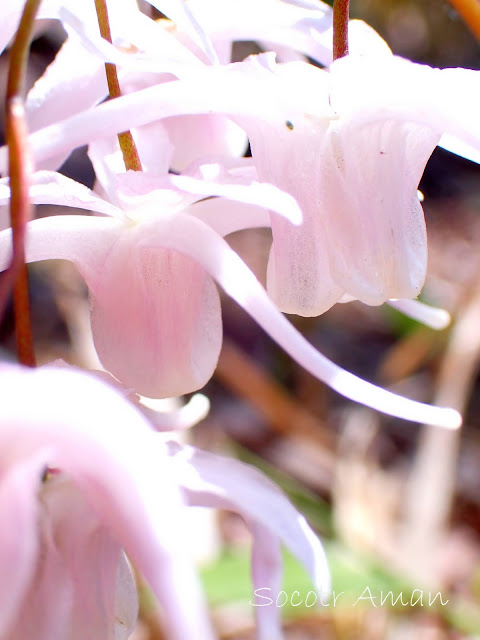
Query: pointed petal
x,y
267,565
419,94
454,145
198,93
215,181
49,187
83,240
191,237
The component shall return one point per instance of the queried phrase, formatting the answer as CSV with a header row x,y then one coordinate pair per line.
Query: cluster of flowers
x,y
337,151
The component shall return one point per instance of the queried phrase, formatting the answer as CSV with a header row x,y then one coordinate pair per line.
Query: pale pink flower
x,y
150,267
115,484
349,147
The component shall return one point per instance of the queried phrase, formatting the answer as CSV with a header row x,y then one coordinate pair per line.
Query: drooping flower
x,y
151,267
83,476
350,145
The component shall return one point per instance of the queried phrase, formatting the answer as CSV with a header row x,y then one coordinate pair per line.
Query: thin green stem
x,y
127,143
341,10
20,169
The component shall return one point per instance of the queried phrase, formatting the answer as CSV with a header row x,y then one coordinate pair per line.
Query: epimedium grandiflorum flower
x,y
150,266
155,312
350,145
83,477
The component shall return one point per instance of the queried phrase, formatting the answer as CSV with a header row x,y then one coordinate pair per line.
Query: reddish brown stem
x,y
20,168
20,214
341,10
127,143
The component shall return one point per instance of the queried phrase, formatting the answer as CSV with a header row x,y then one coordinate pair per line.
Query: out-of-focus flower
x,y
63,574
114,483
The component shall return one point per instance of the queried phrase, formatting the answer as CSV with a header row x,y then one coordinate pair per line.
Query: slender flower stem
x,y
470,12
341,10
127,143
20,168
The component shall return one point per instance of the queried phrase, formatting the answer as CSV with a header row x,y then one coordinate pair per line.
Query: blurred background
x,y
397,504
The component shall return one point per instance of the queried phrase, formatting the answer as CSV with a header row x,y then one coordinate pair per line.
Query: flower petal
x,y
83,240
205,90
215,481
218,182
169,337
193,238
49,187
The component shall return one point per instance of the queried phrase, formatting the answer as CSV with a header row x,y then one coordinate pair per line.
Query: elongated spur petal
x,y
216,182
191,237
49,187
430,316
215,481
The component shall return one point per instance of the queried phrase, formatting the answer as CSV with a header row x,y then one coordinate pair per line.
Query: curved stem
x,y
127,143
341,9
20,169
